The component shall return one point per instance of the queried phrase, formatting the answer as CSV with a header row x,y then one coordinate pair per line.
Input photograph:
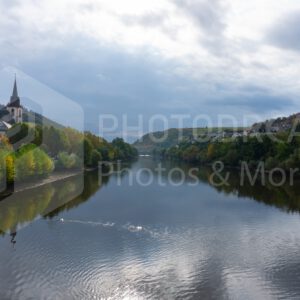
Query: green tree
x,y
87,152
96,158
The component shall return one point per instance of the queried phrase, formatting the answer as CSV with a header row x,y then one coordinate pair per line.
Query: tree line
x,y
30,150
280,151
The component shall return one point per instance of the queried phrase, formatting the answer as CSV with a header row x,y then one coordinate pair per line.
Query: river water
x,y
149,235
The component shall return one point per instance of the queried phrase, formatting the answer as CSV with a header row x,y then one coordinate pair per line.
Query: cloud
x,y
208,14
151,20
285,33
209,17
261,103
163,56
253,99
146,20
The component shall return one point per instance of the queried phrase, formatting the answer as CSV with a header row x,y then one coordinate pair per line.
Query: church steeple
x,y
14,99
15,91
14,106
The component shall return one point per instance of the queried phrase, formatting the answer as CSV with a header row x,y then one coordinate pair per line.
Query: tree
x,y
96,158
55,140
25,165
191,154
210,151
87,152
31,161
10,168
68,161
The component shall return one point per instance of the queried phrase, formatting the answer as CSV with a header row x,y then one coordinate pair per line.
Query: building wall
x,y
16,113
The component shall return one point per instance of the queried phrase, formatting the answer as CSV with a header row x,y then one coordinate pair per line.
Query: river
x,y
149,235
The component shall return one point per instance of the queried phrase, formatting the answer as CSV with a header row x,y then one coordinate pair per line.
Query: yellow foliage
x,y
10,168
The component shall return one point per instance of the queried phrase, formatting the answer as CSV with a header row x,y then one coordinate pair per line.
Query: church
x,y
14,106
13,112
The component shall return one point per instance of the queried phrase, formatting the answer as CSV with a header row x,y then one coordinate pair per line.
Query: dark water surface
x,y
126,241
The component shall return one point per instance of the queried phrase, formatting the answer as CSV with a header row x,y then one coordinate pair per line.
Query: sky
x,y
140,58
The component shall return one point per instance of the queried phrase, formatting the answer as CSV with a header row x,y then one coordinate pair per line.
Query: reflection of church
x,y
13,112
13,237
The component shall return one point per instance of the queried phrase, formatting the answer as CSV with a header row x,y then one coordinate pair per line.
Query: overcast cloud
x,y
160,56
286,32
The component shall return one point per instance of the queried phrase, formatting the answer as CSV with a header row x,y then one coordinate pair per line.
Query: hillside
x,y
147,144
36,118
276,125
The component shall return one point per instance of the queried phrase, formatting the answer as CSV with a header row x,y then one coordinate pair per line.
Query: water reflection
x,y
285,197
46,201
50,200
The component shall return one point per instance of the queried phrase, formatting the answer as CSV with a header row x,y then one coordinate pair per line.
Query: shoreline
x,y
56,176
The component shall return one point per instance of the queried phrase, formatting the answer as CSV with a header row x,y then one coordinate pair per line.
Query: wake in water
x,y
133,228
128,227
108,224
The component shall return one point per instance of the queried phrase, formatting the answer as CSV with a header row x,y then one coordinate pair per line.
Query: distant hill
x,y
147,144
174,136
276,125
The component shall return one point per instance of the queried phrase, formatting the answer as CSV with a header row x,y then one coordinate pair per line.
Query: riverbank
x,y
54,177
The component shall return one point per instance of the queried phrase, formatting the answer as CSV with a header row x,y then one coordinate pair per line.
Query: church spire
x,y
14,99
15,90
